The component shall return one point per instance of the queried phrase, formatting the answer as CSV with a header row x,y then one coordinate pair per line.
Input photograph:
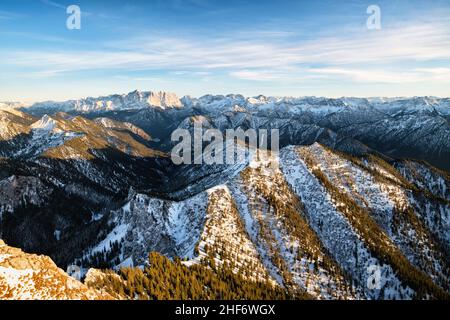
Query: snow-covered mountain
x,y
11,105
115,102
89,182
398,127
317,223
30,277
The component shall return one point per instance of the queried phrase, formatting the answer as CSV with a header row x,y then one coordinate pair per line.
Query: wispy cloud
x,y
186,4
54,4
255,75
439,74
371,76
7,15
84,12
42,37
140,79
356,56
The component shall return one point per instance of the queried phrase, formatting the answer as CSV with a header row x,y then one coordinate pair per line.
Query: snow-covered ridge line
x,y
336,231
26,276
167,100
114,102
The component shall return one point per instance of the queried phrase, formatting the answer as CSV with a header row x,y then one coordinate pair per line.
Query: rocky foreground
x,y
26,276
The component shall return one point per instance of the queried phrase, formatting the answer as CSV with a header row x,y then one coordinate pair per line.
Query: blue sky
x,y
195,47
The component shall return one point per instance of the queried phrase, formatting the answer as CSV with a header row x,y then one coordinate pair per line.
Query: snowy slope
x,y
343,199
336,232
30,277
132,100
283,224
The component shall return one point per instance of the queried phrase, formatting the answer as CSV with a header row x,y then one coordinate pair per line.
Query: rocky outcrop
x,y
29,277
19,191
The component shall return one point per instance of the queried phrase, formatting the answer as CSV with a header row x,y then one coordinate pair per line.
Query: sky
x,y
197,47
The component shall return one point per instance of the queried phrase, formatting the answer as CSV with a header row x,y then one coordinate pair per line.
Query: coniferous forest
x,y
164,279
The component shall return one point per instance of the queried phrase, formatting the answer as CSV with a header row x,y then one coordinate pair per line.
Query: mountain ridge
x,y
26,276
351,190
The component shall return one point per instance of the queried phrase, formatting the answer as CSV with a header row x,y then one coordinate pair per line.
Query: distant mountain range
x,y
398,127
361,184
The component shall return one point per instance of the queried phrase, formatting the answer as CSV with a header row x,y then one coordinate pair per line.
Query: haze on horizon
x,y
196,47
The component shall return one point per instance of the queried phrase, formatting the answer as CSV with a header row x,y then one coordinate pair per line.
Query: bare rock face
x,y
164,100
26,276
19,190
98,280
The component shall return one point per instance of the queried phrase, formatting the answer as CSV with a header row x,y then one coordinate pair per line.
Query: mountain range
x,y
359,185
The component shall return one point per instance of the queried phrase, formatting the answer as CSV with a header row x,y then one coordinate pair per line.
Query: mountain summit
x,y
39,278
115,102
89,183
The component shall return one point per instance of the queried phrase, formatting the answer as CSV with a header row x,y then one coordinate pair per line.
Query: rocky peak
x,y
39,278
46,123
164,100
